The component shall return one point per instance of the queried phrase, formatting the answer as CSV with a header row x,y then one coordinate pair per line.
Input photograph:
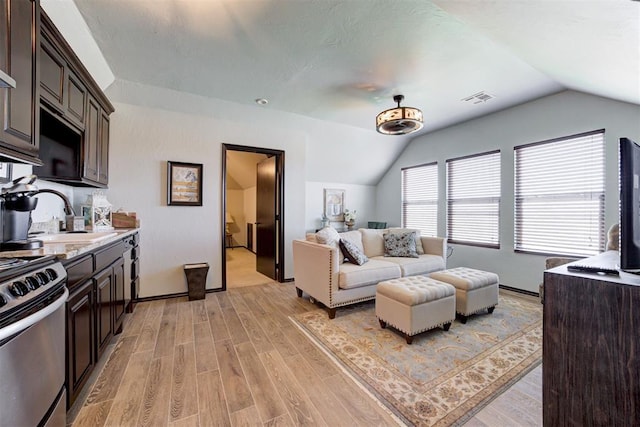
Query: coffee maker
x,y
16,204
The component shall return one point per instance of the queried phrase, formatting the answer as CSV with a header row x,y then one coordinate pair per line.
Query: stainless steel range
x,y
32,342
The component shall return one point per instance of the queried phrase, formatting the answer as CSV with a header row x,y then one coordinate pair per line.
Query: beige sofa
x,y
320,272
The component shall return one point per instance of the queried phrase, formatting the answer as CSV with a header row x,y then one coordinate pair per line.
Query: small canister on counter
x,y
75,223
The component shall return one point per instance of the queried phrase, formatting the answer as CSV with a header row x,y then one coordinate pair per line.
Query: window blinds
x,y
559,195
473,200
420,198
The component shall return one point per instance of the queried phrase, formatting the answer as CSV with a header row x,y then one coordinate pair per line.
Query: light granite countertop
x,y
70,250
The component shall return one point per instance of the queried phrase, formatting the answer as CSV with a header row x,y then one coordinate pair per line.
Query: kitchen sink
x,y
75,237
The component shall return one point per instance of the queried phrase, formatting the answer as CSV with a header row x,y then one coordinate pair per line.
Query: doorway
x,y
252,215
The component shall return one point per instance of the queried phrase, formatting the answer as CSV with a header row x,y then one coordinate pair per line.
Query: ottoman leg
x,y
446,326
383,324
490,309
463,318
299,292
409,338
332,313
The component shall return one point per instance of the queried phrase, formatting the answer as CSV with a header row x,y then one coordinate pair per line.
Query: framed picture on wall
x,y
5,172
334,204
184,184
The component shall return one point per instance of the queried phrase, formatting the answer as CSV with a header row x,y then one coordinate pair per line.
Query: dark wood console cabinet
x,y
591,349
19,35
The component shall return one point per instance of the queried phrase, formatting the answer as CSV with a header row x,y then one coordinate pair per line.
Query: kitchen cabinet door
x,y
118,295
80,339
103,151
75,99
52,71
19,34
104,315
92,140
60,89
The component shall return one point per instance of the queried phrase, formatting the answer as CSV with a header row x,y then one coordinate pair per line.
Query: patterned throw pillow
x,y
400,245
353,254
419,247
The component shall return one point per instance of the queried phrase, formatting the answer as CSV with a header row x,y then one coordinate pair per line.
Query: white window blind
x,y
473,200
559,195
420,198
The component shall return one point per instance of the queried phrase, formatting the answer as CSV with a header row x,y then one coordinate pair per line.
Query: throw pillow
x,y
419,247
400,245
329,236
351,251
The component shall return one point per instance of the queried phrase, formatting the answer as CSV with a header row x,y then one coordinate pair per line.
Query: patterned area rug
x,y
443,378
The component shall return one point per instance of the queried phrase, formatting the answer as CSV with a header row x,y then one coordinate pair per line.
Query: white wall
x,y
235,208
250,195
153,125
361,198
554,116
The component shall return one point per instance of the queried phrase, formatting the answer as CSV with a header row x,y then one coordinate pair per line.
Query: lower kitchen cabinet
x,y
80,338
95,311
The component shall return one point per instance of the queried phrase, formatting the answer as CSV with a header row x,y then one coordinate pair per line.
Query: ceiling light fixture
x,y
399,120
262,101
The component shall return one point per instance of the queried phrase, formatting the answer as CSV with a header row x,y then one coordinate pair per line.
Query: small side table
x,y
228,240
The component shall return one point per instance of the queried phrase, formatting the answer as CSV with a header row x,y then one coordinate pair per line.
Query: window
x,y
420,198
473,200
559,195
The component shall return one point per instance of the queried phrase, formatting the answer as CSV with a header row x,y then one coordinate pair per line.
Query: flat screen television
x,y
629,162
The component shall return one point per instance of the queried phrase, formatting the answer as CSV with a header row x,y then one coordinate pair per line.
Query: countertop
x,y
70,250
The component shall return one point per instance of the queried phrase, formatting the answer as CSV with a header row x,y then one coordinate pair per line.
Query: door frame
x,y
279,242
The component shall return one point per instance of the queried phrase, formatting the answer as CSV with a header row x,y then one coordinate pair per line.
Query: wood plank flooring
x,y
235,359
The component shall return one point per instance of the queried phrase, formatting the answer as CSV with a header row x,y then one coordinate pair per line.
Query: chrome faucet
x,y
68,209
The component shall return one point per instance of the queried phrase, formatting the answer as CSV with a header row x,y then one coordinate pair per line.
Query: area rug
x,y
443,378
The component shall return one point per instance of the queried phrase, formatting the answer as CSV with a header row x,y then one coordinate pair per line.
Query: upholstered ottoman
x,y
476,290
415,304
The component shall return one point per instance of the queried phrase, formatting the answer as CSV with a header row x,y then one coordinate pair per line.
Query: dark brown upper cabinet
x,y
60,89
19,39
75,116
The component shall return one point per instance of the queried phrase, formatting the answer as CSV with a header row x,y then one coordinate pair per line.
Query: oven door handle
x,y
31,320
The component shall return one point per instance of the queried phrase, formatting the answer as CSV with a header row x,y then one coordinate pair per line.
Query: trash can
x,y
196,279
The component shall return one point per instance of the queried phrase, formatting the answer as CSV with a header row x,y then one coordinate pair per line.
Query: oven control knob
x,y
18,289
51,274
42,277
32,283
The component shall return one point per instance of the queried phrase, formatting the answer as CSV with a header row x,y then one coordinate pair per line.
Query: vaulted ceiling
x,y
343,60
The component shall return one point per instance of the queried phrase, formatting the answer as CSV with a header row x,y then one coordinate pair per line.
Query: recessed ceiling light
x,y
262,101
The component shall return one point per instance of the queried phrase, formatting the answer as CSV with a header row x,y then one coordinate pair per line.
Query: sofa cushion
x,y
419,247
352,253
400,244
354,237
372,241
424,264
355,276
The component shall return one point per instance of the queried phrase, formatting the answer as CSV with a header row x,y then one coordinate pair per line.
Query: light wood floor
x,y
234,359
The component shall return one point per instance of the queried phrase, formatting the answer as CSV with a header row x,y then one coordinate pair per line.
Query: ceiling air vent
x,y
478,98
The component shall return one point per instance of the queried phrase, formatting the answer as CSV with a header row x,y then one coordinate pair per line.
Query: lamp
x,y
399,120
228,219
